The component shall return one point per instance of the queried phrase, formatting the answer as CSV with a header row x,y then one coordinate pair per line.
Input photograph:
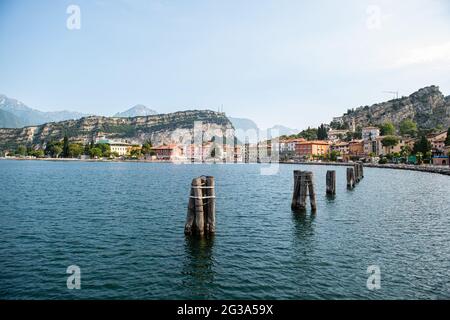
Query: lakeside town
x,y
337,142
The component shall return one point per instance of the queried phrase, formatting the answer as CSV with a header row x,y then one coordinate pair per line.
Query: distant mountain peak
x,y
26,116
138,110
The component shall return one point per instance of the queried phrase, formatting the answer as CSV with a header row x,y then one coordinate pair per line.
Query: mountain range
x,y
428,107
160,129
16,114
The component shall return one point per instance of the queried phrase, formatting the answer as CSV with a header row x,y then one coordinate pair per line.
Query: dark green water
x,y
122,224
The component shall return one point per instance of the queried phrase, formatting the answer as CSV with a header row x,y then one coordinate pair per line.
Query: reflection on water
x,y
199,266
131,243
303,225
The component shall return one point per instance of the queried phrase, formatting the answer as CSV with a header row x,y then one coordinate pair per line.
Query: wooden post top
x,y
302,173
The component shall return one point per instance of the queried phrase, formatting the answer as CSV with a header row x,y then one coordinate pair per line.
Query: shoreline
x,y
445,170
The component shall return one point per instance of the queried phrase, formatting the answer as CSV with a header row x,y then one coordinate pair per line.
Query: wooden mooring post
x,y
201,213
303,186
356,172
361,169
350,178
331,182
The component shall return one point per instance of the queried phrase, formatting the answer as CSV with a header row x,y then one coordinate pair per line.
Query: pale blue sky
x,y
294,63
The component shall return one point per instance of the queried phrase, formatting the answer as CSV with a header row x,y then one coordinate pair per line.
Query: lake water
x,y
122,224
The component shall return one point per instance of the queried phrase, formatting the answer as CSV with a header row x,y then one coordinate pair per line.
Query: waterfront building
x,y
356,148
122,148
267,151
311,149
237,155
442,135
440,160
252,152
369,136
168,152
437,141
341,147
288,145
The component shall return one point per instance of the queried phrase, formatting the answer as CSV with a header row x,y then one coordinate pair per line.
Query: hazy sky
x,y
295,63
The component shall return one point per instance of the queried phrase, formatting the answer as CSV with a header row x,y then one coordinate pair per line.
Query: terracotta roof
x,y
339,144
169,147
321,142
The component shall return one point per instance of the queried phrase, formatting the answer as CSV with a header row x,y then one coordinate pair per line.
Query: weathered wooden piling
x,y
350,178
210,205
331,182
361,169
303,186
201,213
356,172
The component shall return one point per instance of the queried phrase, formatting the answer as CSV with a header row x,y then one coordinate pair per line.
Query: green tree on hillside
x,y
86,149
322,132
387,129
422,146
21,150
95,152
37,153
447,140
405,151
308,134
147,148
408,127
389,142
105,148
54,149
65,152
334,155
75,150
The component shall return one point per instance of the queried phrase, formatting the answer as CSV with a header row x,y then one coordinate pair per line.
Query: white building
x,y
370,133
119,147
335,135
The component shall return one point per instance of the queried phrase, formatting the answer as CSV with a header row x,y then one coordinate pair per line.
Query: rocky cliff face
x,y
161,128
427,106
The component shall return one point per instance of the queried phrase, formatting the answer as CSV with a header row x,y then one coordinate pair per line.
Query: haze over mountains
x,y
136,111
428,107
16,114
244,127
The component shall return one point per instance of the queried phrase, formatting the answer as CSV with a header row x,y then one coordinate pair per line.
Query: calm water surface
x,y
122,224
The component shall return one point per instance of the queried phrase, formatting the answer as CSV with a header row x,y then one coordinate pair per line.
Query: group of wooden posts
x,y
304,185
201,213
354,175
